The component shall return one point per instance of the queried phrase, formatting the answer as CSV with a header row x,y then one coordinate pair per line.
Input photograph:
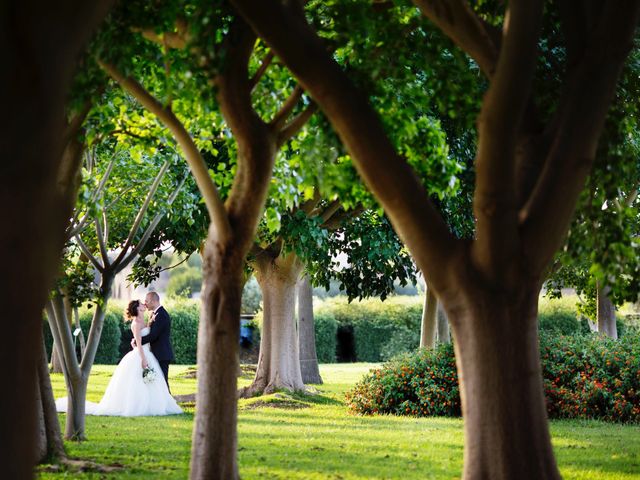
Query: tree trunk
x,y
56,360
306,324
41,432
279,359
606,313
40,45
429,320
444,336
215,439
497,356
54,447
76,375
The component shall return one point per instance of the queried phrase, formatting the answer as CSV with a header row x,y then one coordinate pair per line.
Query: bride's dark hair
x,y
131,311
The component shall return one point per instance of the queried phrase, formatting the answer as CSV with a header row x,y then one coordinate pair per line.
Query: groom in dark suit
x,y
159,336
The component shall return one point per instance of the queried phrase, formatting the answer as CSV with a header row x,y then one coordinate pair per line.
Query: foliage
x,y
184,281
586,377
251,296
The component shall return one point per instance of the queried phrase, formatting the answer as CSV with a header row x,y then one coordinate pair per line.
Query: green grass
x,y
313,437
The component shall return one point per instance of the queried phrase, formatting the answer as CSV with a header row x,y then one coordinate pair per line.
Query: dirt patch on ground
x,y
78,466
284,404
189,398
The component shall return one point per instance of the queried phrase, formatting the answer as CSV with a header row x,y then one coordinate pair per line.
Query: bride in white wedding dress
x,y
127,394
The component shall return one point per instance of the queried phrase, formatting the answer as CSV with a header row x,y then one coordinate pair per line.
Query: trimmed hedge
x,y
586,377
380,329
108,352
326,329
184,331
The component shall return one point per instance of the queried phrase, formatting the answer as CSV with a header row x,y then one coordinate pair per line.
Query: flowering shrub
x,y
584,377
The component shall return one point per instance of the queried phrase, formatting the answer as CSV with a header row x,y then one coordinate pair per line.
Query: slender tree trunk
x,y
76,374
506,429
215,440
306,324
444,335
429,320
606,313
279,359
54,447
41,432
56,361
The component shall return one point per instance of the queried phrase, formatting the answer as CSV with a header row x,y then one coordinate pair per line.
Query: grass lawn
x,y
314,437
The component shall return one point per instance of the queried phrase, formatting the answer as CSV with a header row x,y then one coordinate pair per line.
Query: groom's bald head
x,y
152,300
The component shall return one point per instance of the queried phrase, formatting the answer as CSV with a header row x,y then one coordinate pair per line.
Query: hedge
x,y
585,376
326,329
380,329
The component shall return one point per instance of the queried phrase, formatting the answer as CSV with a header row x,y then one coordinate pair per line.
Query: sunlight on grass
x,y
312,436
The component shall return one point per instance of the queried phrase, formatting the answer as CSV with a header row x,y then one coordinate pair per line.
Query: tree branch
x,y
141,213
296,124
264,65
88,254
587,95
459,22
73,128
215,207
256,141
102,244
151,228
77,228
386,174
495,204
280,118
332,208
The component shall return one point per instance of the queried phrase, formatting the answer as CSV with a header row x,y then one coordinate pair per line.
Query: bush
x,y
326,329
423,384
584,377
559,316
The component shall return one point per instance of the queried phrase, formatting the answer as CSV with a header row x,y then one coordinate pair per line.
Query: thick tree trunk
x,y
40,43
306,324
606,313
50,428
444,335
506,429
215,440
279,359
429,320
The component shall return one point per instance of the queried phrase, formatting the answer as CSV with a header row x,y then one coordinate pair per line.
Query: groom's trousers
x,y
164,366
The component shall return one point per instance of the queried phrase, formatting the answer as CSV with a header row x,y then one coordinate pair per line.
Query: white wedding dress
x,y
127,395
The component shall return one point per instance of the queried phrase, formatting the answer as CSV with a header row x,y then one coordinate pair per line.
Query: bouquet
x,y
148,375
